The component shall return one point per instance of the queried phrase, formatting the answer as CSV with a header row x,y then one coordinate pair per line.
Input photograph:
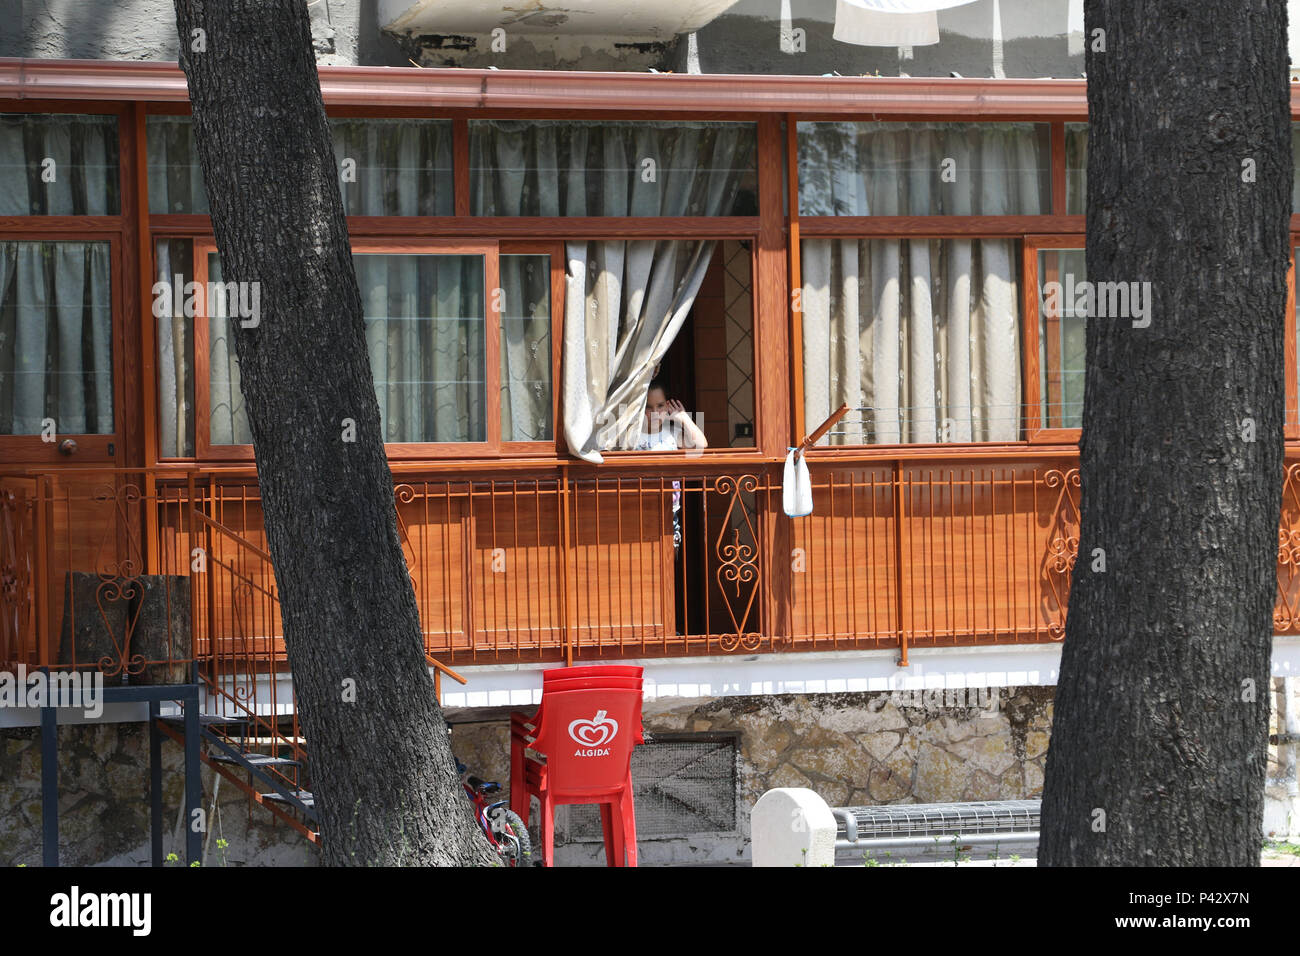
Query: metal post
x,y
155,783
193,785
50,784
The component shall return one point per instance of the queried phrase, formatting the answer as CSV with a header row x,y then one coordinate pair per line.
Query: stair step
x,y
255,760
303,796
205,720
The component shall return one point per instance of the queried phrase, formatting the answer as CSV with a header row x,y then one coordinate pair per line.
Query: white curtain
x,y
398,167
227,417
1076,168
403,167
175,348
58,165
526,348
921,338
924,169
175,178
540,168
56,353
425,332
626,303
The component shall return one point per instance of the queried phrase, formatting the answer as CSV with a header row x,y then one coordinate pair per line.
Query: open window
x,y
679,310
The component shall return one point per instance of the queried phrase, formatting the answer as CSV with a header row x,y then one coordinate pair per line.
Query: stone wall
x,y
852,749
104,804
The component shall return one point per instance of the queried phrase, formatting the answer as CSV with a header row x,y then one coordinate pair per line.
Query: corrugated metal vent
x,y
683,784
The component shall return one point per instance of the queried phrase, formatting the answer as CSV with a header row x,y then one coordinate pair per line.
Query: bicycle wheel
x,y
521,844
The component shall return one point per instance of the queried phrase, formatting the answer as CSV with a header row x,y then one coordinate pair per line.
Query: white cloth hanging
x,y
796,486
890,22
853,24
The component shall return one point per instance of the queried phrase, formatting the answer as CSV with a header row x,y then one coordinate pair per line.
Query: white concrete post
x,y
792,826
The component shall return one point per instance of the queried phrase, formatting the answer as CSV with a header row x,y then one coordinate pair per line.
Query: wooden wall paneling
x,y
709,331
516,558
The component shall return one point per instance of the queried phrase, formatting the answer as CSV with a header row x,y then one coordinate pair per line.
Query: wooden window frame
x,y
1034,374
764,232
555,250
205,450
1024,228
91,449
621,456
116,448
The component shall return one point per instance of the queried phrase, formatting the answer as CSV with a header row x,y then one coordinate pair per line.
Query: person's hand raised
x,y
674,408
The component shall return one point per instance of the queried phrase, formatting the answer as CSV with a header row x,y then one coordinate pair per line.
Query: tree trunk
x,y
1159,740
385,782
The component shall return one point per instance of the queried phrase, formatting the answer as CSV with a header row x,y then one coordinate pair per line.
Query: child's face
x,y
656,405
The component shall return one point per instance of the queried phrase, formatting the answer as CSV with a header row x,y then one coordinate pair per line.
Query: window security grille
x,y
682,784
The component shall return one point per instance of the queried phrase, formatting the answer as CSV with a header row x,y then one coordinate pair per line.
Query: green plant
x,y
1282,846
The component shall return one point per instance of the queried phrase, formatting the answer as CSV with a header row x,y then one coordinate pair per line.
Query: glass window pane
x,y
919,337
1061,336
175,179
395,167
526,348
924,169
227,417
425,329
386,167
426,332
1076,168
175,270
56,351
59,165
562,168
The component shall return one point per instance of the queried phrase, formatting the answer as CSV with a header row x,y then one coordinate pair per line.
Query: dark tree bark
x,y
1162,705
382,769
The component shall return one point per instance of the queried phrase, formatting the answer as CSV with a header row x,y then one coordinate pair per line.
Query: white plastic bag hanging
x,y
797,490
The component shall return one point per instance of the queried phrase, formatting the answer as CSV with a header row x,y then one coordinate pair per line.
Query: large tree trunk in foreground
x,y
382,769
1159,739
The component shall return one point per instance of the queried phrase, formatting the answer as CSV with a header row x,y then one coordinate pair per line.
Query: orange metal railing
x,y
94,574
564,565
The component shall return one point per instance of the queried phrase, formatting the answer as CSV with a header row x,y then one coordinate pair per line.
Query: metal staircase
x,y
246,742
270,780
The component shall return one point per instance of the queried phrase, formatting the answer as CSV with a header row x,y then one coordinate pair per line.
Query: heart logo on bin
x,y
595,732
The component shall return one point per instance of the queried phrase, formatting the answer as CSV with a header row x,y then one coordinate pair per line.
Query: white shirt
x,y
662,440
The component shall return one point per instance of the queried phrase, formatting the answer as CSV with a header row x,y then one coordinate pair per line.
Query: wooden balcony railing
x,y
582,564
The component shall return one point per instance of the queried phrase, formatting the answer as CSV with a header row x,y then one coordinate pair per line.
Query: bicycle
x,y
501,825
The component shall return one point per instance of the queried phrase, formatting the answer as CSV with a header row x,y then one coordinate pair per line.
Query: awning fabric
x,y
890,22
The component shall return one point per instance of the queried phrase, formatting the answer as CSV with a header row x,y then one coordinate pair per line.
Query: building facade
x,y
544,220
